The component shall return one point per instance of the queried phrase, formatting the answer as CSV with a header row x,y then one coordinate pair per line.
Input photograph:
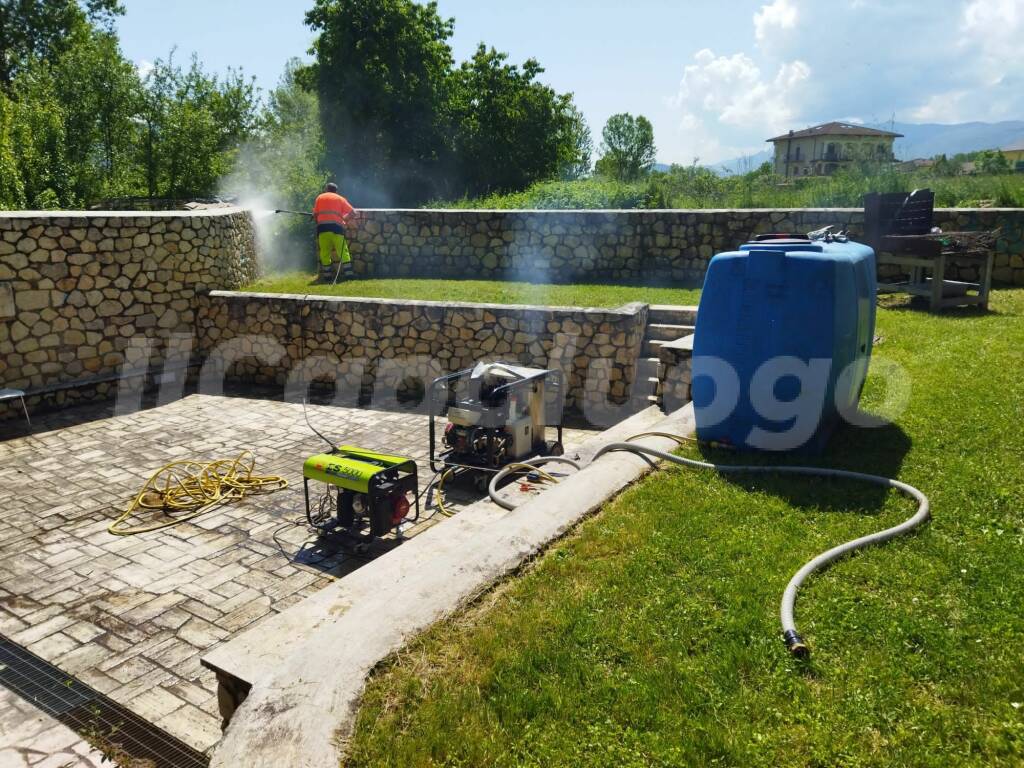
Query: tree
x,y
627,150
944,167
100,94
509,129
38,138
403,125
282,167
193,124
992,161
576,145
381,72
12,190
43,29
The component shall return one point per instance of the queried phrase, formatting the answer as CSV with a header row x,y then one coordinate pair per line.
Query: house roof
x,y
835,129
1016,146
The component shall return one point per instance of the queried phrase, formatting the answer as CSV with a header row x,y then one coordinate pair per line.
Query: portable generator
x,y
374,491
497,413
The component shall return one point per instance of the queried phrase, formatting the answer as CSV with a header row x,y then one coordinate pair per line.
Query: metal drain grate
x,y
87,711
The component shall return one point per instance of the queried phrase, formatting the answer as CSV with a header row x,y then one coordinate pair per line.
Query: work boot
x,y
325,275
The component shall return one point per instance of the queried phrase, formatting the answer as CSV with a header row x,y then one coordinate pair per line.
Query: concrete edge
x,y
643,211
629,309
298,714
182,214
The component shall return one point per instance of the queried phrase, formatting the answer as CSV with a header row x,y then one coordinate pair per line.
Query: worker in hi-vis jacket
x,y
331,212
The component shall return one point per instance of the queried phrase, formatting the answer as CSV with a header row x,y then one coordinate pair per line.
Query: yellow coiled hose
x,y
184,490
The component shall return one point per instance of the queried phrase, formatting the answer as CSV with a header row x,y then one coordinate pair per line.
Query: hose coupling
x,y
795,644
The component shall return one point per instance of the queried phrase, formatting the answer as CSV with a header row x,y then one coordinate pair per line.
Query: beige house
x,y
1014,154
823,149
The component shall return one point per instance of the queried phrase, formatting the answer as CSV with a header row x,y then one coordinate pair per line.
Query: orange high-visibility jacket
x,y
331,208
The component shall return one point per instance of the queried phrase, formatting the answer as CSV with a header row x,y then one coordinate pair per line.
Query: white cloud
x,y
989,60
781,14
144,67
801,62
944,107
992,34
721,96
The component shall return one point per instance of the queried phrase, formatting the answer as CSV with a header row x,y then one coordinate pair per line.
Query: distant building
x,y
824,149
917,164
1014,154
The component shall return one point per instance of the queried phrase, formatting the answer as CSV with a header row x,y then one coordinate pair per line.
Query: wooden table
x,y
933,252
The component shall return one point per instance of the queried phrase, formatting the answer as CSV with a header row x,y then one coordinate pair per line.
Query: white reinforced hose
x,y
792,638
534,464
794,642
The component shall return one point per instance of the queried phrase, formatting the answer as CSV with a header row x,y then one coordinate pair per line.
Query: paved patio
x,y
130,616
28,737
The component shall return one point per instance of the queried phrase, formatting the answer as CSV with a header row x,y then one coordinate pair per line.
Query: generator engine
x,y
497,413
374,491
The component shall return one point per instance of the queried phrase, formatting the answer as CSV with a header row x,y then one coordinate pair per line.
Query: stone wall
x,y
375,345
643,246
78,290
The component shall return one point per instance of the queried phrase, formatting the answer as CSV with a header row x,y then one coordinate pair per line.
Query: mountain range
x,y
919,140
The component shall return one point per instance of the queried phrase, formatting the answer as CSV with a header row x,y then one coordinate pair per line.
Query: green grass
x,y
483,291
649,636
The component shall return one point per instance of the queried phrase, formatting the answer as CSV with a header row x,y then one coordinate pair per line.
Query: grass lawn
x,y
483,291
649,637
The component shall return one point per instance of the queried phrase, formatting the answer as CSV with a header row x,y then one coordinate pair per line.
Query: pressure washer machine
x,y
372,494
498,413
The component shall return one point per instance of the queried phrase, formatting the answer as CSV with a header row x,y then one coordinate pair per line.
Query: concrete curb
x,y
300,710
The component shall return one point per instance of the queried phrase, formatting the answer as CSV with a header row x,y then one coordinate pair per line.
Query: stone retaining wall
x,y
642,246
79,289
364,345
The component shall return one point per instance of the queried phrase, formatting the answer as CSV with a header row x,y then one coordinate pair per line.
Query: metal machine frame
x,y
440,461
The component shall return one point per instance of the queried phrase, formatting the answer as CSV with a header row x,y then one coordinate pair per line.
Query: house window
x,y
796,153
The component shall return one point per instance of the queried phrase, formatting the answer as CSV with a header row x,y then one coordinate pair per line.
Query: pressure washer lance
x,y
337,272
794,642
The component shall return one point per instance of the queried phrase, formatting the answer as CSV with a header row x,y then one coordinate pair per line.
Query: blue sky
x,y
716,79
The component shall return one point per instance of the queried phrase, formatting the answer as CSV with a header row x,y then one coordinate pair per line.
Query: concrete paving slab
x,y
131,615
29,737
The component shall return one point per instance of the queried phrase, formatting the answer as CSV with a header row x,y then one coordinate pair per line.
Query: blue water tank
x,y
783,342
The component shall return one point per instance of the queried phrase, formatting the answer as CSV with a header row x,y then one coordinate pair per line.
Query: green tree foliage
x,y
12,189
577,146
77,126
99,95
509,129
192,126
992,161
627,149
43,29
943,166
402,124
382,70
282,167
39,138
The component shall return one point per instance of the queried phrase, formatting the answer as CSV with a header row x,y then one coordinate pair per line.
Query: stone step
x,y
671,314
647,368
651,347
667,331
